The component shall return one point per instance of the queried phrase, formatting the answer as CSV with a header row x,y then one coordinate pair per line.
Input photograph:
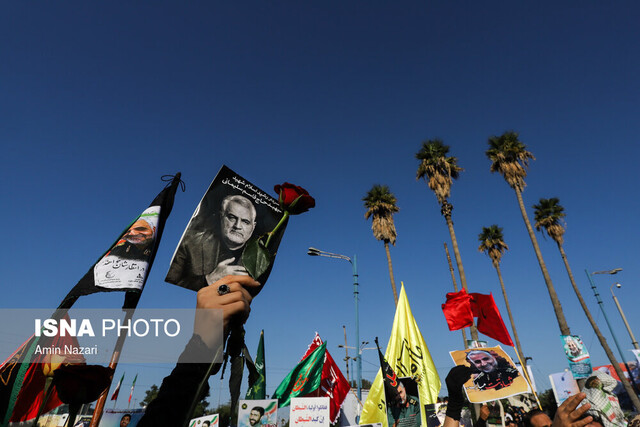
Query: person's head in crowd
x,y
537,418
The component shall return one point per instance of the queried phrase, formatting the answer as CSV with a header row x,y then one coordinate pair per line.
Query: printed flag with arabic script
x,y
303,379
332,384
126,265
408,355
390,378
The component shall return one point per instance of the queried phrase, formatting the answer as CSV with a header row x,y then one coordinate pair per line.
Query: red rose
x,y
294,199
79,384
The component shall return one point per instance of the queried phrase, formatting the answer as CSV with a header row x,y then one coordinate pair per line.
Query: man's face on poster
x,y
403,393
484,361
125,420
573,347
254,417
238,223
139,234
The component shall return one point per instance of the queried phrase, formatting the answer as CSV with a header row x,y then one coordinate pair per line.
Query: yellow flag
x,y
408,355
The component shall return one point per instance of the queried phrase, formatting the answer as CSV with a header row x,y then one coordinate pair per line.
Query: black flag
x,y
390,379
126,265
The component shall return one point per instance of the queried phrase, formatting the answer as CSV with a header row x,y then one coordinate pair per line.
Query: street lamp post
x,y
624,318
604,313
352,261
615,339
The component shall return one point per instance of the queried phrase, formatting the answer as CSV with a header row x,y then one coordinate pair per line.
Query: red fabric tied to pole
x,y
457,310
490,321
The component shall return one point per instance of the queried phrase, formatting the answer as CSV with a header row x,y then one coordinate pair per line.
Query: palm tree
x,y
510,157
381,205
549,217
492,243
439,171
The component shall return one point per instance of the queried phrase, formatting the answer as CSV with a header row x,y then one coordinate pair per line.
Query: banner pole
x,y
115,357
526,375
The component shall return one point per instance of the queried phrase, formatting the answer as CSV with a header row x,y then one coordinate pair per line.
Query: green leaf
x,y
256,258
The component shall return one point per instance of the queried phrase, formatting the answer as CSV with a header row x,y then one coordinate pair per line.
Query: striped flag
x,y
114,396
132,387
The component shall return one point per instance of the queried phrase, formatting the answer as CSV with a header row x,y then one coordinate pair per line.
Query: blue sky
x,y
100,100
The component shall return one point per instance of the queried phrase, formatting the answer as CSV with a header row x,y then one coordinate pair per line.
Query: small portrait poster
x,y
258,413
125,265
309,411
206,421
494,375
403,408
118,417
563,385
577,355
232,211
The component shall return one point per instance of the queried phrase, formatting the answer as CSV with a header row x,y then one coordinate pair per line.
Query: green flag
x,y
304,378
258,390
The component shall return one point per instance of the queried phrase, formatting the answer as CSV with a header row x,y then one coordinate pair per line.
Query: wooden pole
x,y
346,353
455,287
115,357
526,375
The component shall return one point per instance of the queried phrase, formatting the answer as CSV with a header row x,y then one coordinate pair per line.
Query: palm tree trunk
x,y
455,287
557,307
446,211
513,324
393,281
601,338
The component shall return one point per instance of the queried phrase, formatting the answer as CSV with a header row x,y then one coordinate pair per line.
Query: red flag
x,y
332,383
489,320
31,394
457,310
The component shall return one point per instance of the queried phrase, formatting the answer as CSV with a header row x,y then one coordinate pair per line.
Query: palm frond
x,y
381,205
549,217
492,243
437,169
509,156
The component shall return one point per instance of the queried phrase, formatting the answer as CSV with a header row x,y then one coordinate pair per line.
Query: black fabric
x,y
389,379
455,380
87,285
178,389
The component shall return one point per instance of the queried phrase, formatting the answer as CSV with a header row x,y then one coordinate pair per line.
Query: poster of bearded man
x,y
494,375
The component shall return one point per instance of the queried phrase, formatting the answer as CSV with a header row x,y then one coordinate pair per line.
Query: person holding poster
x,y
494,376
567,415
493,371
231,212
209,255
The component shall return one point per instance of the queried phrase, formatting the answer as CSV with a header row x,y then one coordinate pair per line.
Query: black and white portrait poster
x,y
232,211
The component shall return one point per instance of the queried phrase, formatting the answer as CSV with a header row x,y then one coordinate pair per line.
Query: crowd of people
x,y
596,406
